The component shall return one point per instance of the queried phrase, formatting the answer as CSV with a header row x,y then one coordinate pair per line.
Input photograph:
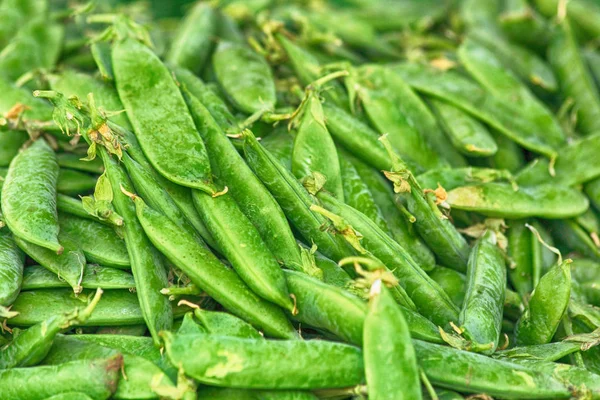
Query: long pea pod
x,y
94,276
571,236
29,196
390,361
247,190
481,314
521,270
456,177
32,345
549,351
265,364
12,261
293,199
224,324
164,127
209,274
72,183
97,379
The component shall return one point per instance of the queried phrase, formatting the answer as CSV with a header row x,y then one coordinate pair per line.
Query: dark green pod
x,y
12,261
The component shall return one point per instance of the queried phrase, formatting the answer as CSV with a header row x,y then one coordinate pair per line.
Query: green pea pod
x,y
209,274
70,205
193,40
171,144
72,183
501,200
592,189
139,378
457,90
94,276
215,393
525,26
280,144
467,135
132,330
521,244
256,368
390,361
189,325
72,83
99,242
12,261
97,379
293,199
15,13
481,313
576,82
10,143
545,352
392,15
314,149
592,59
251,89
486,69
247,190
29,196
456,177
223,324
101,54
546,307
571,236
582,13
118,307
146,265
452,282
32,345
428,297
509,155
74,162
69,265
37,44
399,227
70,396
36,110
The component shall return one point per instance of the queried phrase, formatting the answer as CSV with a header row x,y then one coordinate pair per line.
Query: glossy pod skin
x,y
545,352
209,274
501,200
265,364
521,242
390,362
94,276
481,313
12,261
254,200
456,177
224,324
29,196
155,107
97,379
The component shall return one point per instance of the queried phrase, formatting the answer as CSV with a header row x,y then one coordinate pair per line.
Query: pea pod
x,y
192,44
583,14
224,324
522,248
15,13
12,261
29,196
94,276
36,111
256,368
279,144
97,379
509,155
180,155
456,177
32,345
71,182
70,396
481,313
546,307
546,352
245,187
390,361
74,162
10,143
216,393
501,200
571,236
70,205
467,135
209,274
524,25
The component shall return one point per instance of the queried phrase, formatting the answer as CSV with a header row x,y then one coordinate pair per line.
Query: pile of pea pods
x,y
300,200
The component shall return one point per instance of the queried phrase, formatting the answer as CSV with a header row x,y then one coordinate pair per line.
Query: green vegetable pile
x,y
295,200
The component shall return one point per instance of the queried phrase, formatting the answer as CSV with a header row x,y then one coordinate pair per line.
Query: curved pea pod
x,y
481,314
10,143
571,236
209,274
243,247
15,13
245,77
139,376
69,265
545,352
12,261
467,135
94,276
452,282
475,373
523,25
581,13
37,44
99,242
399,227
265,364
146,265
29,196
70,205
193,39
501,200
314,149
523,247
224,324
456,177
575,78
428,297
247,190
71,182
487,69
32,345
74,162
96,378
163,127
293,199
280,144
390,361
546,307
